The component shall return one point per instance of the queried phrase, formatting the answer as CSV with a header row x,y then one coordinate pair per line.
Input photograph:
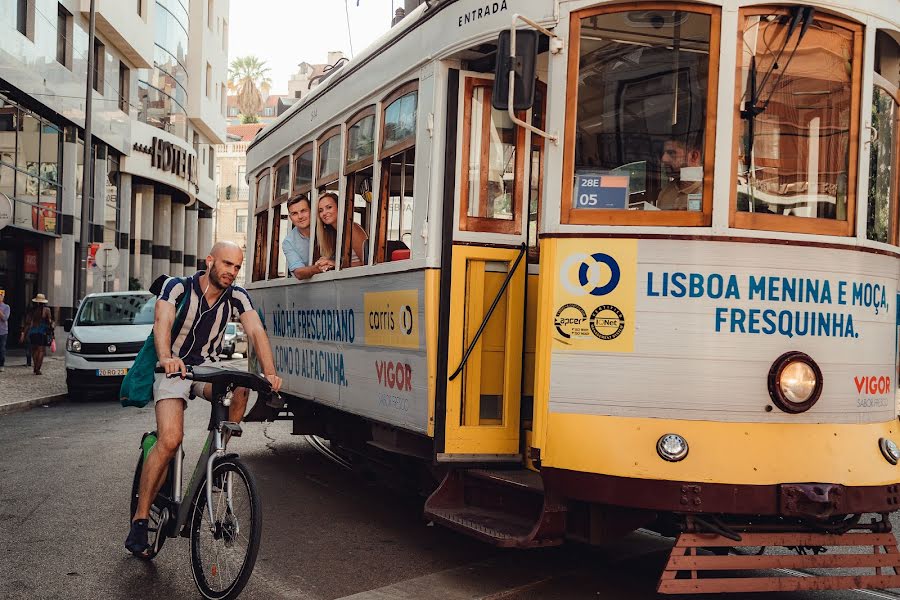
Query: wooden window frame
x,y
582,216
327,135
256,206
349,167
894,229
381,216
349,210
306,188
407,142
277,202
790,223
486,224
260,263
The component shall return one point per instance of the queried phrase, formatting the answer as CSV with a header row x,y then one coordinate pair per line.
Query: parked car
x,y
104,337
235,340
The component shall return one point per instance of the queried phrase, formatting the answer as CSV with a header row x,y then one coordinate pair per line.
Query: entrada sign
x,y
171,158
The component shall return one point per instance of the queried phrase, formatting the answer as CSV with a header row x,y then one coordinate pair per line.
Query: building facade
x,y
158,95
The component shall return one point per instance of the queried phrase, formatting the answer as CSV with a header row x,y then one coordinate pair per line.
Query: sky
x,y
285,33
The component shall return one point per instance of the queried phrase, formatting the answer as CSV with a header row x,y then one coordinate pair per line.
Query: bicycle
x,y
211,510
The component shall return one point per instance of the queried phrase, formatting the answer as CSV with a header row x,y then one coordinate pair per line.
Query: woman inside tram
x,y
326,233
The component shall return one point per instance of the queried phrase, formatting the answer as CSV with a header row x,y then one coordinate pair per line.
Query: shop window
x,y
493,164
396,203
796,121
640,148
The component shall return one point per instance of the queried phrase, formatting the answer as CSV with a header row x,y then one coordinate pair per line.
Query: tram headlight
x,y
672,447
795,382
889,450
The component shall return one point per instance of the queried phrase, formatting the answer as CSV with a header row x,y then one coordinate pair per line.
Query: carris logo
x,y
394,375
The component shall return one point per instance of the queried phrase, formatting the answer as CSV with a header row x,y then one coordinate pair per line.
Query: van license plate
x,y
111,372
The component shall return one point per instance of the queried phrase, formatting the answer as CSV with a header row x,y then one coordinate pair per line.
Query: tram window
x,y
395,220
326,233
492,164
536,182
399,122
357,217
329,156
641,143
797,121
303,170
881,221
361,138
282,180
280,222
262,227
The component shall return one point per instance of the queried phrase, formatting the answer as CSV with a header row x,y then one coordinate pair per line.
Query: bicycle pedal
x,y
233,428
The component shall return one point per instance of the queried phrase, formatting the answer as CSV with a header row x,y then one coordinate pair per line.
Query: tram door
x,y
488,270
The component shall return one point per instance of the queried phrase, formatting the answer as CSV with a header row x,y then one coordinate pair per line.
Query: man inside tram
x,y
682,161
296,243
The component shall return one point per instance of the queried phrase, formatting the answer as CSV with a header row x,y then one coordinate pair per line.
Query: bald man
x,y
214,300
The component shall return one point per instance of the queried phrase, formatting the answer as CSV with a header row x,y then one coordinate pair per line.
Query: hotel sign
x,y
170,158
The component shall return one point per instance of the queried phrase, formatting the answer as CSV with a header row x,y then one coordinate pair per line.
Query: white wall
x,y
207,46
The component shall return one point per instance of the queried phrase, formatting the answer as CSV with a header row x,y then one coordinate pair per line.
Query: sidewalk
x,y
20,388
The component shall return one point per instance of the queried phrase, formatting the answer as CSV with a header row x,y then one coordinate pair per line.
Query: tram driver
x,y
682,161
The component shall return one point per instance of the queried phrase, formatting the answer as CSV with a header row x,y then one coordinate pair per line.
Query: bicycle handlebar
x,y
218,375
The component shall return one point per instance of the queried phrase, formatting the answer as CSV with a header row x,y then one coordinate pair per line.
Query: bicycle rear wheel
x,y
157,519
223,552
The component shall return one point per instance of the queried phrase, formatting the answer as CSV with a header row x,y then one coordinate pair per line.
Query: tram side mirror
x,y
523,65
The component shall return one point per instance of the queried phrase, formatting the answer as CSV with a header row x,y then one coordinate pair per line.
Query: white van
x,y
104,337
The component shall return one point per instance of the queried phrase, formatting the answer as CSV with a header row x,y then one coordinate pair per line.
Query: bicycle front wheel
x,y
223,551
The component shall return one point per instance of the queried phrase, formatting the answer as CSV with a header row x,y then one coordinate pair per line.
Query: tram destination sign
x,y
599,189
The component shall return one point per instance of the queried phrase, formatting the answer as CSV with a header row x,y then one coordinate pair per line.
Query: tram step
x,y
691,571
504,508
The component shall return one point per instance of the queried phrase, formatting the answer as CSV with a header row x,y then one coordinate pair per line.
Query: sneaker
x,y
137,543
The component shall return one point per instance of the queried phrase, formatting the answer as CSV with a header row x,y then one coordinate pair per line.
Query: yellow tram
x,y
607,265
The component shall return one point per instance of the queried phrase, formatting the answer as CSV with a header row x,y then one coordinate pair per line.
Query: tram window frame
x,y
328,136
352,172
261,227
538,145
791,223
892,91
333,186
467,222
277,265
384,207
409,141
581,216
302,188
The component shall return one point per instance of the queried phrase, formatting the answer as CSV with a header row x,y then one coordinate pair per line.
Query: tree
x,y
248,79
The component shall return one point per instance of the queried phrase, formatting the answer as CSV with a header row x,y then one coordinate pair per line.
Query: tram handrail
x,y
487,317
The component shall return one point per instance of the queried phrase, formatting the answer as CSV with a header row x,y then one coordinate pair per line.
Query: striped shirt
x,y
200,338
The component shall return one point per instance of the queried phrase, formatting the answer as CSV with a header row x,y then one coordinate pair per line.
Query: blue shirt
x,y
4,322
200,337
296,250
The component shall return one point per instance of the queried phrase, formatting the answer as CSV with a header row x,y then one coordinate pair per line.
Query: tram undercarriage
x,y
727,538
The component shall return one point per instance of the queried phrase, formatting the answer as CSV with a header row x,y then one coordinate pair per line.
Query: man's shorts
x,y
176,387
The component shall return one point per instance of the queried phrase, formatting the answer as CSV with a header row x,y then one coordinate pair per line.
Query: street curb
x,y
28,404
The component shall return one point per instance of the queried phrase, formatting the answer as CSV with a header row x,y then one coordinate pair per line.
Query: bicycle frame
x,y
213,449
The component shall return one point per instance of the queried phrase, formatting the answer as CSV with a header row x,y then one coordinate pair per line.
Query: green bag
x,y
137,387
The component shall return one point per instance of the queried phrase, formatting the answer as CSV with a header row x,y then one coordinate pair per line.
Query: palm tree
x,y
248,78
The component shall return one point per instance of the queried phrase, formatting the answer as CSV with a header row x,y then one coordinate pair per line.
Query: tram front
x,y
717,323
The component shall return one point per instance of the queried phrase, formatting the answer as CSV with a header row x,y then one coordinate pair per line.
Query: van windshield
x,y
130,309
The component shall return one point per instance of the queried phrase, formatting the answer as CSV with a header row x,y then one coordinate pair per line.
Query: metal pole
x,y
87,177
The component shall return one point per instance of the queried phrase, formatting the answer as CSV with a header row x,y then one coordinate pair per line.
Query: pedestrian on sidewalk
x,y
4,328
38,329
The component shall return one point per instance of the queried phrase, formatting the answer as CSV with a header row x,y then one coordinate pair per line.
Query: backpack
x,y
137,387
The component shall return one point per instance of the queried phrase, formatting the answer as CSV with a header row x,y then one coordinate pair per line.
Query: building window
x,y
212,161
208,80
240,221
63,35
140,8
225,35
209,14
25,18
99,61
124,87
